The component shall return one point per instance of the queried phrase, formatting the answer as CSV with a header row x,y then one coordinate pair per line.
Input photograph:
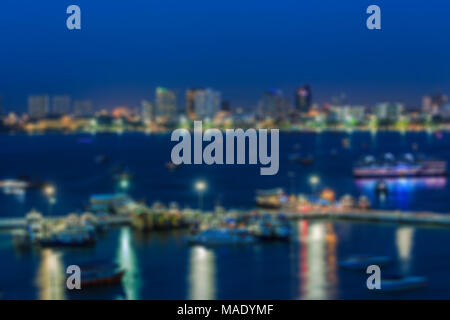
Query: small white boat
x,y
222,237
361,262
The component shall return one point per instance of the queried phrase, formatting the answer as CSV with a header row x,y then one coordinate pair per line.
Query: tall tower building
x,y
207,103
202,103
147,111
61,105
38,106
190,102
427,104
82,108
274,105
303,98
166,105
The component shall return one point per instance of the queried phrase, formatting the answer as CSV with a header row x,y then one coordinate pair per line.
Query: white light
x,y
200,186
314,180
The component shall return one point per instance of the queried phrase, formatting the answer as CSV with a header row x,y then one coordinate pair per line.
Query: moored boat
x,y
406,166
270,199
361,262
101,275
222,236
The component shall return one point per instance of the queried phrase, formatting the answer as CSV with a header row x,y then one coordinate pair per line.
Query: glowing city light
x,y
49,191
314,180
200,186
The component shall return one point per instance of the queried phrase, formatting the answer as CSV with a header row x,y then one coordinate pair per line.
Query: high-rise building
x,y
38,106
166,105
427,104
274,105
147,111
202,103
207,103
389,111
190,102
303,98
61,105
82,108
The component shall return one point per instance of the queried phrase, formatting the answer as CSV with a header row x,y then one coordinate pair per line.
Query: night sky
x,y
240,47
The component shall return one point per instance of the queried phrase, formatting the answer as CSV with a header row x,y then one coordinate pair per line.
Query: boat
x,y
222,236
101,275
405,166
270,228
73,232
361,262
14,186
270,199
68,238
400,283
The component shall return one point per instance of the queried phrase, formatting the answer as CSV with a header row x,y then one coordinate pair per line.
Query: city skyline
x,y
240,49
183,99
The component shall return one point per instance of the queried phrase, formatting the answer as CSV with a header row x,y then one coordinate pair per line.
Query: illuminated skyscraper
x,y
427,104
61,105
82,108
38,106
147,111
166,105
207,103
202,103
303,98
190,102
388,111
274,105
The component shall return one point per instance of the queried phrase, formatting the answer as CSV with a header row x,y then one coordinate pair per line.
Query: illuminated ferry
x,y
406,166
270,199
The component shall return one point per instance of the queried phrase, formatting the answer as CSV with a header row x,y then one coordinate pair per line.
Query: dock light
x,y
200,186
124,184
314,181
49,191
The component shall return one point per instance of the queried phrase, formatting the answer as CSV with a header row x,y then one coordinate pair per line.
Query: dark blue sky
x,y
241,47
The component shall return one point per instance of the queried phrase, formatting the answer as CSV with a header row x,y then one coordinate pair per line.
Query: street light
x,y
200,186
314,181
49,192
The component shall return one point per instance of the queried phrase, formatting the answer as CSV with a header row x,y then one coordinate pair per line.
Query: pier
x,y
399,217
19,223
383,216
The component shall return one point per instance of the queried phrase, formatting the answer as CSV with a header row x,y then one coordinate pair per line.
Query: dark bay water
x,y
67,161
161,266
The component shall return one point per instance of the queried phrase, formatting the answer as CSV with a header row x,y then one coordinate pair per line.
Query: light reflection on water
x,y
258,271
51,279
202,274
404,240
318,261
128,260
